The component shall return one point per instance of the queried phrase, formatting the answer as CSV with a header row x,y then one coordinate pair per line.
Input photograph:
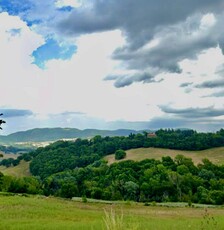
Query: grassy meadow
x,y
22,169
215,155
35,212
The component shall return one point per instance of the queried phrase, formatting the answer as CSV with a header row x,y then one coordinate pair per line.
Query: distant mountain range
x,y
53,134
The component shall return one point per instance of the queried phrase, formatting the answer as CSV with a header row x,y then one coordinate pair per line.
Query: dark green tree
x,y
120,154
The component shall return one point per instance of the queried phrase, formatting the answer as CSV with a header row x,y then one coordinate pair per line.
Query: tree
x,y
131,190
120,154
68,189
1,180
1,121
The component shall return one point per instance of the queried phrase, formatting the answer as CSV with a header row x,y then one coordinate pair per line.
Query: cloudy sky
x,y
112,64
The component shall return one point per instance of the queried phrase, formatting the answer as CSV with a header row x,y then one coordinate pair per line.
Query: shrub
x,y
120,154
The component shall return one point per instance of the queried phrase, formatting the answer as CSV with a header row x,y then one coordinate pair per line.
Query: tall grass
x,y
113,221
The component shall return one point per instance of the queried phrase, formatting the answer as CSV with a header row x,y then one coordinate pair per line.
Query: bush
x,y
120,154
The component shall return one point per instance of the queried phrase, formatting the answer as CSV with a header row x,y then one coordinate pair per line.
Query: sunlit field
x,y
215,155
36,212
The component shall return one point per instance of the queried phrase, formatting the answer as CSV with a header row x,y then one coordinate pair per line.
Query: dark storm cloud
x,y
138,19
174,23
181,41
193,112
126,80
7,113
211,84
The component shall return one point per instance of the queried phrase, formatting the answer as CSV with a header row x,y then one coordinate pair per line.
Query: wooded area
x,y
70,169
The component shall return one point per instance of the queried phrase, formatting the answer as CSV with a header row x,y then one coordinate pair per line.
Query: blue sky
x,y
112,64
52,50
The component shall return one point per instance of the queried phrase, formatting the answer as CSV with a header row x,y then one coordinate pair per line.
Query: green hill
x,y
53,134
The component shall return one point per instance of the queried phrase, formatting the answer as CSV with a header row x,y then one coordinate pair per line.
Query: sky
x,y
111,64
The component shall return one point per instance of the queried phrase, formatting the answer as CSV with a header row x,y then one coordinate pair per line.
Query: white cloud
x,y
18,75
208,20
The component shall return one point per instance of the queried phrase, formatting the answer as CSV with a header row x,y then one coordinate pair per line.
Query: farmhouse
x,y
151,135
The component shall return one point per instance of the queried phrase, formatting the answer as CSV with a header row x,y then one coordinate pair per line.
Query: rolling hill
x,y
53,134
215,155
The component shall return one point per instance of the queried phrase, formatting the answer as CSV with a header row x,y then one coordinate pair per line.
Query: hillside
x,y
215,155
20,170
53,134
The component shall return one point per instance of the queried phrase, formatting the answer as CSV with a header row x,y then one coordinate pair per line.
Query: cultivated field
x,y
215,155
38,213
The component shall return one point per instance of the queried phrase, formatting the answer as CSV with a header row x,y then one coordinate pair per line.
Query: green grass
x,y
35,212
18,171
215,155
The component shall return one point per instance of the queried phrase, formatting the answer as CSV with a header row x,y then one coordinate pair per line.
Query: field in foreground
x,y
215,155
36,213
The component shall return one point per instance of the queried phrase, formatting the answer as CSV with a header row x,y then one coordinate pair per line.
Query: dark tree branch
x,y
1,121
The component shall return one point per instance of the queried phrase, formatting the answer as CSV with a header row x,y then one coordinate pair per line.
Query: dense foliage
x,y
77,168
148,180
30,185
62,155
